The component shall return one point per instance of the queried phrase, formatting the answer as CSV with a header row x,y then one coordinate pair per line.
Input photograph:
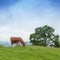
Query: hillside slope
x,y
29,53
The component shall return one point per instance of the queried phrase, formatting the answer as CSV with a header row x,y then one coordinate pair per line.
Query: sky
x,y
21,17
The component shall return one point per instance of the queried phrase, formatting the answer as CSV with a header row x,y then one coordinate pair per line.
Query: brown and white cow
x,y
17,40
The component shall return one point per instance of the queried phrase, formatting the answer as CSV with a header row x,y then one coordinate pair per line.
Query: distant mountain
x,y
5,43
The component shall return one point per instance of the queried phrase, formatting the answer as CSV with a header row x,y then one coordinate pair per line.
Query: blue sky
x,y
21,17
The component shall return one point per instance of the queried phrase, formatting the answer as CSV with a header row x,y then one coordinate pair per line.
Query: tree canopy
x,y
43,36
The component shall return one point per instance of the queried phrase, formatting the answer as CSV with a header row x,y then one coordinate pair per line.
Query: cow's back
x,y
14,39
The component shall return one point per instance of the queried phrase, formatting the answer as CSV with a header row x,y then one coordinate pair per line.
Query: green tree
x,y
56,41
43,35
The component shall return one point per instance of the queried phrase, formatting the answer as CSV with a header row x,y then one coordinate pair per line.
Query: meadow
x,y
29,53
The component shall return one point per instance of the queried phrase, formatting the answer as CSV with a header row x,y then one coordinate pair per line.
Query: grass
x,y
29,53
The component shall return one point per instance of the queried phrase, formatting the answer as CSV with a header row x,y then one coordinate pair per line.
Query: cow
x,y
16,40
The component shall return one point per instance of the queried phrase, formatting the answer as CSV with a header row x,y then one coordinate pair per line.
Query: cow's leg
x,y
11,44
17,44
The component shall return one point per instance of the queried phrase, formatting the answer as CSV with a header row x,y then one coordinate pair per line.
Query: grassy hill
x,y
29,53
